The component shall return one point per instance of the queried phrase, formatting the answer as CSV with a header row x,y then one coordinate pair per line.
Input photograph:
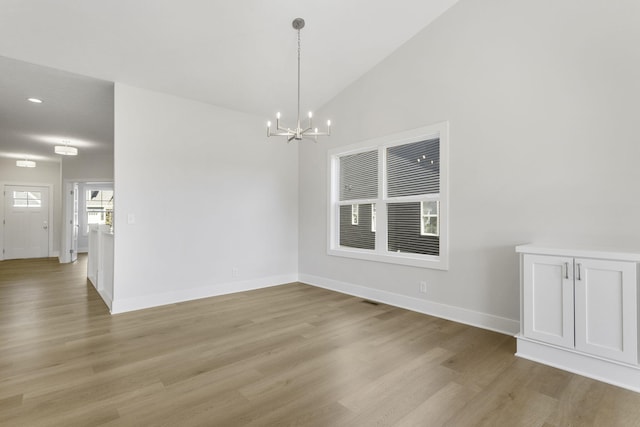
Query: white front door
x,y
26,227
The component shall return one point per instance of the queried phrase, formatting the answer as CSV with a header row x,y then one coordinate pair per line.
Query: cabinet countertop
x,y
584,252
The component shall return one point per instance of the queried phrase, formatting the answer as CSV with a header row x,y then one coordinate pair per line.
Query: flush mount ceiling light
x,y
35,100
298,133
65,149
25,163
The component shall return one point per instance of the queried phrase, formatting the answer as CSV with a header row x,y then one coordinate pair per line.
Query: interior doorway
x,y
26,227
86,203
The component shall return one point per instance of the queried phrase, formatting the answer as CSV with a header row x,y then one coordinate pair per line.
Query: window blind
x,y
413,169
404,230
359,176
360,235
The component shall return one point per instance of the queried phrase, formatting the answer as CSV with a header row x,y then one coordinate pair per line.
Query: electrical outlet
x,y
235,272
423,287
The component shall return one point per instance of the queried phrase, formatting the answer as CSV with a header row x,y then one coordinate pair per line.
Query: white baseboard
x,y
611,372
154,300
456,314
106,298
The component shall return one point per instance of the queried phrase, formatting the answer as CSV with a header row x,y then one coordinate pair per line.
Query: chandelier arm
x,y
283,133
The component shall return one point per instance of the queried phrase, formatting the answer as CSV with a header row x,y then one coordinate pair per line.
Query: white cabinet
x,y
548,299
582,303
579,311
606,309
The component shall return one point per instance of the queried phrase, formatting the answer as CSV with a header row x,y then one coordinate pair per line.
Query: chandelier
x,y
298,132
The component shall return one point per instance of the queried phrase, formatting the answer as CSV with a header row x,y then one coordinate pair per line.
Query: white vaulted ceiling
x,y
235,54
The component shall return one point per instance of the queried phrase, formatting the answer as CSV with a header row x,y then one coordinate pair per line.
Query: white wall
x,y
542,100
88,167
209,193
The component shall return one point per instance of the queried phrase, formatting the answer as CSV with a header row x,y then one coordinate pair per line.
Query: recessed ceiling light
x,y
35,100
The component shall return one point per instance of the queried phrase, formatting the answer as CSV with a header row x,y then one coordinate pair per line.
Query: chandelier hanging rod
x,y
298,133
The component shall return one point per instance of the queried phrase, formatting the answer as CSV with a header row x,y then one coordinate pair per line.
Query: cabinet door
x,y
548,299
606,309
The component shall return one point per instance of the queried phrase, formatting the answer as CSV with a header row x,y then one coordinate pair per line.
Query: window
x,y
389,199
27,199
99,207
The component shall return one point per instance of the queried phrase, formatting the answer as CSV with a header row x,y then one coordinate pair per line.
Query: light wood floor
x,y
289,355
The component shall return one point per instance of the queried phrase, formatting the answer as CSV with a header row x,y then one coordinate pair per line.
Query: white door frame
x,y
66,238
52,222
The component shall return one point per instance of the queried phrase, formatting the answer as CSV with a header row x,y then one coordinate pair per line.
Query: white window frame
x,y
381,253
373,217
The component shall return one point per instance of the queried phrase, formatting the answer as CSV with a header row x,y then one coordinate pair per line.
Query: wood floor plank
x,y
282,356
393,396
437,409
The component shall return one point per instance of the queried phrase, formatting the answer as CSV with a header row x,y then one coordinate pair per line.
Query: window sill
x,y
412,260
